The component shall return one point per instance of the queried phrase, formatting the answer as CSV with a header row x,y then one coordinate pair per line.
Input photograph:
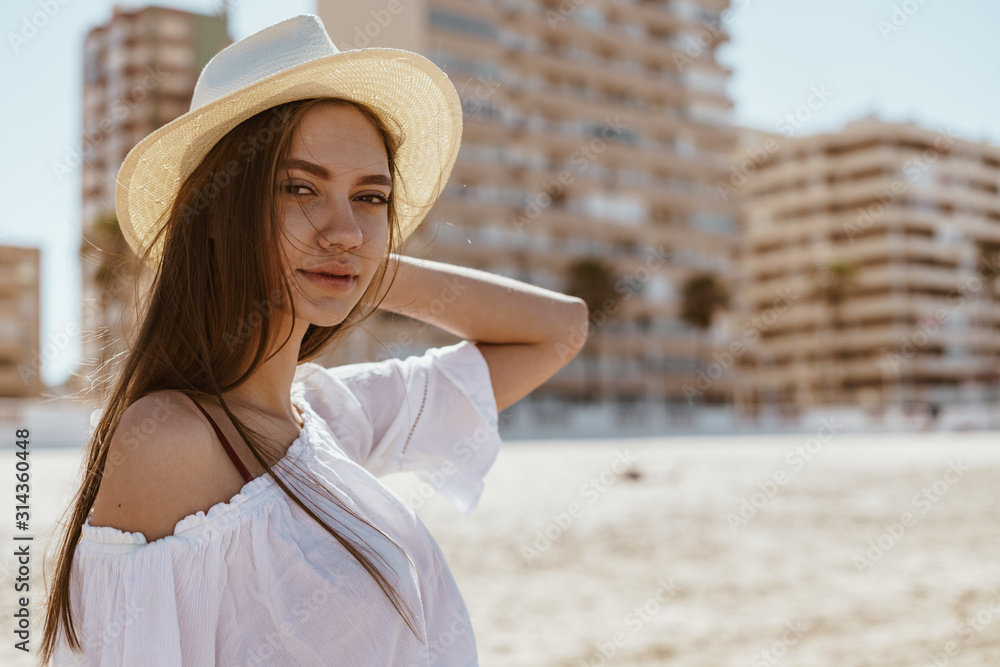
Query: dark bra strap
x,y
225,443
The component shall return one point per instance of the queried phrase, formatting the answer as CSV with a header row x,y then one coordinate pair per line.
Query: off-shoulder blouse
x,y
256,581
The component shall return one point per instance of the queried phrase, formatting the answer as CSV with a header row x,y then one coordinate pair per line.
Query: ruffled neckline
x,y
252,489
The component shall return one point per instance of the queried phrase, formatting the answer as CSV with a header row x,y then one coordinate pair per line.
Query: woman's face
x,y
332,199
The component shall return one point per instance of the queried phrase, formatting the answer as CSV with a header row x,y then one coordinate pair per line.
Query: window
x,y
591,17
712,222
614,208
451,64
464,24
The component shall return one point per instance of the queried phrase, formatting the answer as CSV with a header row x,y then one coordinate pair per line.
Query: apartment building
x,y
20,357
871,258
593,131
139,73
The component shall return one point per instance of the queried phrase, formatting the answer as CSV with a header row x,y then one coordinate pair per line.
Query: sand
x,y
810,550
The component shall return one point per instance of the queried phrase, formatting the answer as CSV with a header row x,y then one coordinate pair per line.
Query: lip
x,y
335,269
334,283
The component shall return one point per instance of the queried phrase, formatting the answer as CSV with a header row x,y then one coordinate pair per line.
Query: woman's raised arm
x,y
525,333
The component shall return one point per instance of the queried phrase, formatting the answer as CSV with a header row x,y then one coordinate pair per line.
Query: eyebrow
x,y
320,171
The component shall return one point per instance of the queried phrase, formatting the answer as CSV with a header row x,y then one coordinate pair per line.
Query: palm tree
x,y
108,241
591,279
703,296
834,280
989,258
108,245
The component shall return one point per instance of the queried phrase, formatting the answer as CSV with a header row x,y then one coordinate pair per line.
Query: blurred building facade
x,y
140,69
594,135
20,356
871,257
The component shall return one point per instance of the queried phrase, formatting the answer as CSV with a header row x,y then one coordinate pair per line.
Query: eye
x,y
297,188
379,198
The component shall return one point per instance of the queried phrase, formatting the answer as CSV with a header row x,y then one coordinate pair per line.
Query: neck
x,y
268,391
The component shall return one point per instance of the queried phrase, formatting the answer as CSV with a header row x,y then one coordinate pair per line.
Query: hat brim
x,y
403,87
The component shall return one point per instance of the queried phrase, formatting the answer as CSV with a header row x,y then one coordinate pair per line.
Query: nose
x,y
340,228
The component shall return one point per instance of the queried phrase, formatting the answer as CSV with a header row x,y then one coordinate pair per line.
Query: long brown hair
x,y
186,341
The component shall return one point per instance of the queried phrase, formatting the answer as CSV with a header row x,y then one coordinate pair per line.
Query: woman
x,y
237,515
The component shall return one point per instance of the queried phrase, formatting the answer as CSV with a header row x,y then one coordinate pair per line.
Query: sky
x,y
932,62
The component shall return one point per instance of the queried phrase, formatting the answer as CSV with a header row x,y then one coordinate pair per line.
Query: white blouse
x,y
256,581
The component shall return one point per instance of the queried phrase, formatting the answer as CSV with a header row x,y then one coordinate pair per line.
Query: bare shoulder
x,y
157,466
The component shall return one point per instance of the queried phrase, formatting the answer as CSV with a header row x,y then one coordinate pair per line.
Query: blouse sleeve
x,y
126,610
434,415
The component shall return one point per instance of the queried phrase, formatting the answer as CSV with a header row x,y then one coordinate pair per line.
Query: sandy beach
x,y
800,550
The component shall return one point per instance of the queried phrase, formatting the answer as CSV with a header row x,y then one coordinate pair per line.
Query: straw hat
x,y
295,60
